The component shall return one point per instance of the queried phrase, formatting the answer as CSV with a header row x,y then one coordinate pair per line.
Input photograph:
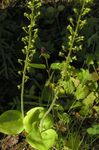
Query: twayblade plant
x,y
39,135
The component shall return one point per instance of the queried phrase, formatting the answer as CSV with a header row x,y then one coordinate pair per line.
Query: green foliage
x,y
43,140
81,92
67,84
38,136
38,66
35,115
74,141
29,41
94,130
84,76
11,122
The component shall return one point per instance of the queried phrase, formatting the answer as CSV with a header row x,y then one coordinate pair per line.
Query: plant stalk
x,y
26,61
67,63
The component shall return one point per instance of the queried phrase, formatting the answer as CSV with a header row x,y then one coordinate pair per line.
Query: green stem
x,y
50,108
26,62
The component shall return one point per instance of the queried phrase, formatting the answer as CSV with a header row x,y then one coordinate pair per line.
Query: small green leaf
x,y
69,86
84,76
89,59
58,65
55,66
81,92
11,122
88,101
65,118
94,130
76,105
85,111
37,66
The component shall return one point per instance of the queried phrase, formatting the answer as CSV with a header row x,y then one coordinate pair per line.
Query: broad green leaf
x,y
41,140
35,115
34,138
37,66
49,137
32,116
81,92
94,130
88,101
11,122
